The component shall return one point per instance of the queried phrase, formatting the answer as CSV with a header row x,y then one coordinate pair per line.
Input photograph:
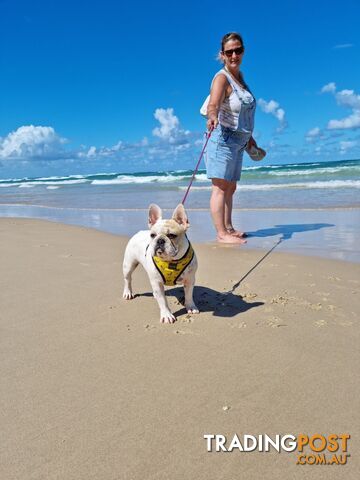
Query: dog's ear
x,y
154,214
180,216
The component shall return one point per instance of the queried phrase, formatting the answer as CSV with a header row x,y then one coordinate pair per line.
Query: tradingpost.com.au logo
x,y
313,449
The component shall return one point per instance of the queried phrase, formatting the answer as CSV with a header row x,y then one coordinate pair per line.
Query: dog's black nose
x,y
161,242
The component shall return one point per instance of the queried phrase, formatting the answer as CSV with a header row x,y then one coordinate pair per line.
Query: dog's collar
x,y
171,270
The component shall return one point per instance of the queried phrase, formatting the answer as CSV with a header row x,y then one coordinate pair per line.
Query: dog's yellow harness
x,y
171,271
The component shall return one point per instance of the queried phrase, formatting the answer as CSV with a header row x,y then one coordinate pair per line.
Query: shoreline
x,y
327,233
261,253
189,209
95,387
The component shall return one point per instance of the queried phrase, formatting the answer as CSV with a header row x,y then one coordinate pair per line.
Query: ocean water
x,y
307,185
309,208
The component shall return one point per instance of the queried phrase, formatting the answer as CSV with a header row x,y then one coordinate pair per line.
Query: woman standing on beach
x,y
230,113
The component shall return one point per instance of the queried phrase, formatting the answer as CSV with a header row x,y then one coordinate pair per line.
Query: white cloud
x,y
91,152
94,152
31,141
169,129
348,99
313,135
329,87
34,148
347,145
343,45
117,146
352,121
168,121
274,109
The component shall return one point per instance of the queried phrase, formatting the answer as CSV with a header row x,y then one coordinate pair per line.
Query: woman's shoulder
x,y
221,73
220,77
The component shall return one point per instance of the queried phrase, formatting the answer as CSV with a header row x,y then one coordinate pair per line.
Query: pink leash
x,y
208,135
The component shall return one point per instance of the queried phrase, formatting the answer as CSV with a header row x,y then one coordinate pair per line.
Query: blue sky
x,y
104,86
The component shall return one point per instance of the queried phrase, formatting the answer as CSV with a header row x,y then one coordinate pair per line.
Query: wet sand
x,y
327,233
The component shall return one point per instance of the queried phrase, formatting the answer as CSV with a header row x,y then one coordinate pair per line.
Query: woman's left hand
x,y
251,143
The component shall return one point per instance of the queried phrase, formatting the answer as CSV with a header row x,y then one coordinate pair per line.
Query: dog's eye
x,y
172,236
152,235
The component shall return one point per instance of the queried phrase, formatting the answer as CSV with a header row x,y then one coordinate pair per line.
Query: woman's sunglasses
x,y
237,51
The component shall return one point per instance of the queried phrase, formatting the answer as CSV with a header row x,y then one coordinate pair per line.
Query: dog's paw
x,y
167,317
128,295
192,308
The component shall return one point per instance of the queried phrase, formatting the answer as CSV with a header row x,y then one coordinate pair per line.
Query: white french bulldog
x,y
167,256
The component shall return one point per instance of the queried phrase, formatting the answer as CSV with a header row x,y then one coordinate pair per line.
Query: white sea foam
x,y
194,187
301,165
10,185
121,180
37,184
201,177
307,185
252,168
27,183
59,178
307,176
304,185
63,182
127,179
318,171
52,187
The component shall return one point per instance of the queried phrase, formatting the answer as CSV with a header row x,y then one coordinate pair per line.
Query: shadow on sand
x,y
287,231
221,304
228,304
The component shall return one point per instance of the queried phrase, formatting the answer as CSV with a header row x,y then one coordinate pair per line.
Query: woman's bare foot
x,y
230,238
236,233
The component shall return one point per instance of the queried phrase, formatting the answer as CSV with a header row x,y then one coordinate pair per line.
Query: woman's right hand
x,y
212,122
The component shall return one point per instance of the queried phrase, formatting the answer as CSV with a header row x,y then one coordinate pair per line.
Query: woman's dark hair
x,y
231,36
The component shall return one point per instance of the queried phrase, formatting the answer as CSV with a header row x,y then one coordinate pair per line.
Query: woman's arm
x,y
217,96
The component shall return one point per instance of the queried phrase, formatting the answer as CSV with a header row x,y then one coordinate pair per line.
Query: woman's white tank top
x,y
237,111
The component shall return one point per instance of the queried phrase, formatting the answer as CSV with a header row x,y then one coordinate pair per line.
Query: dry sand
x,y
94,387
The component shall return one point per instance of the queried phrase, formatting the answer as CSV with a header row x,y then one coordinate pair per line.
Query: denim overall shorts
x,y
225,149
